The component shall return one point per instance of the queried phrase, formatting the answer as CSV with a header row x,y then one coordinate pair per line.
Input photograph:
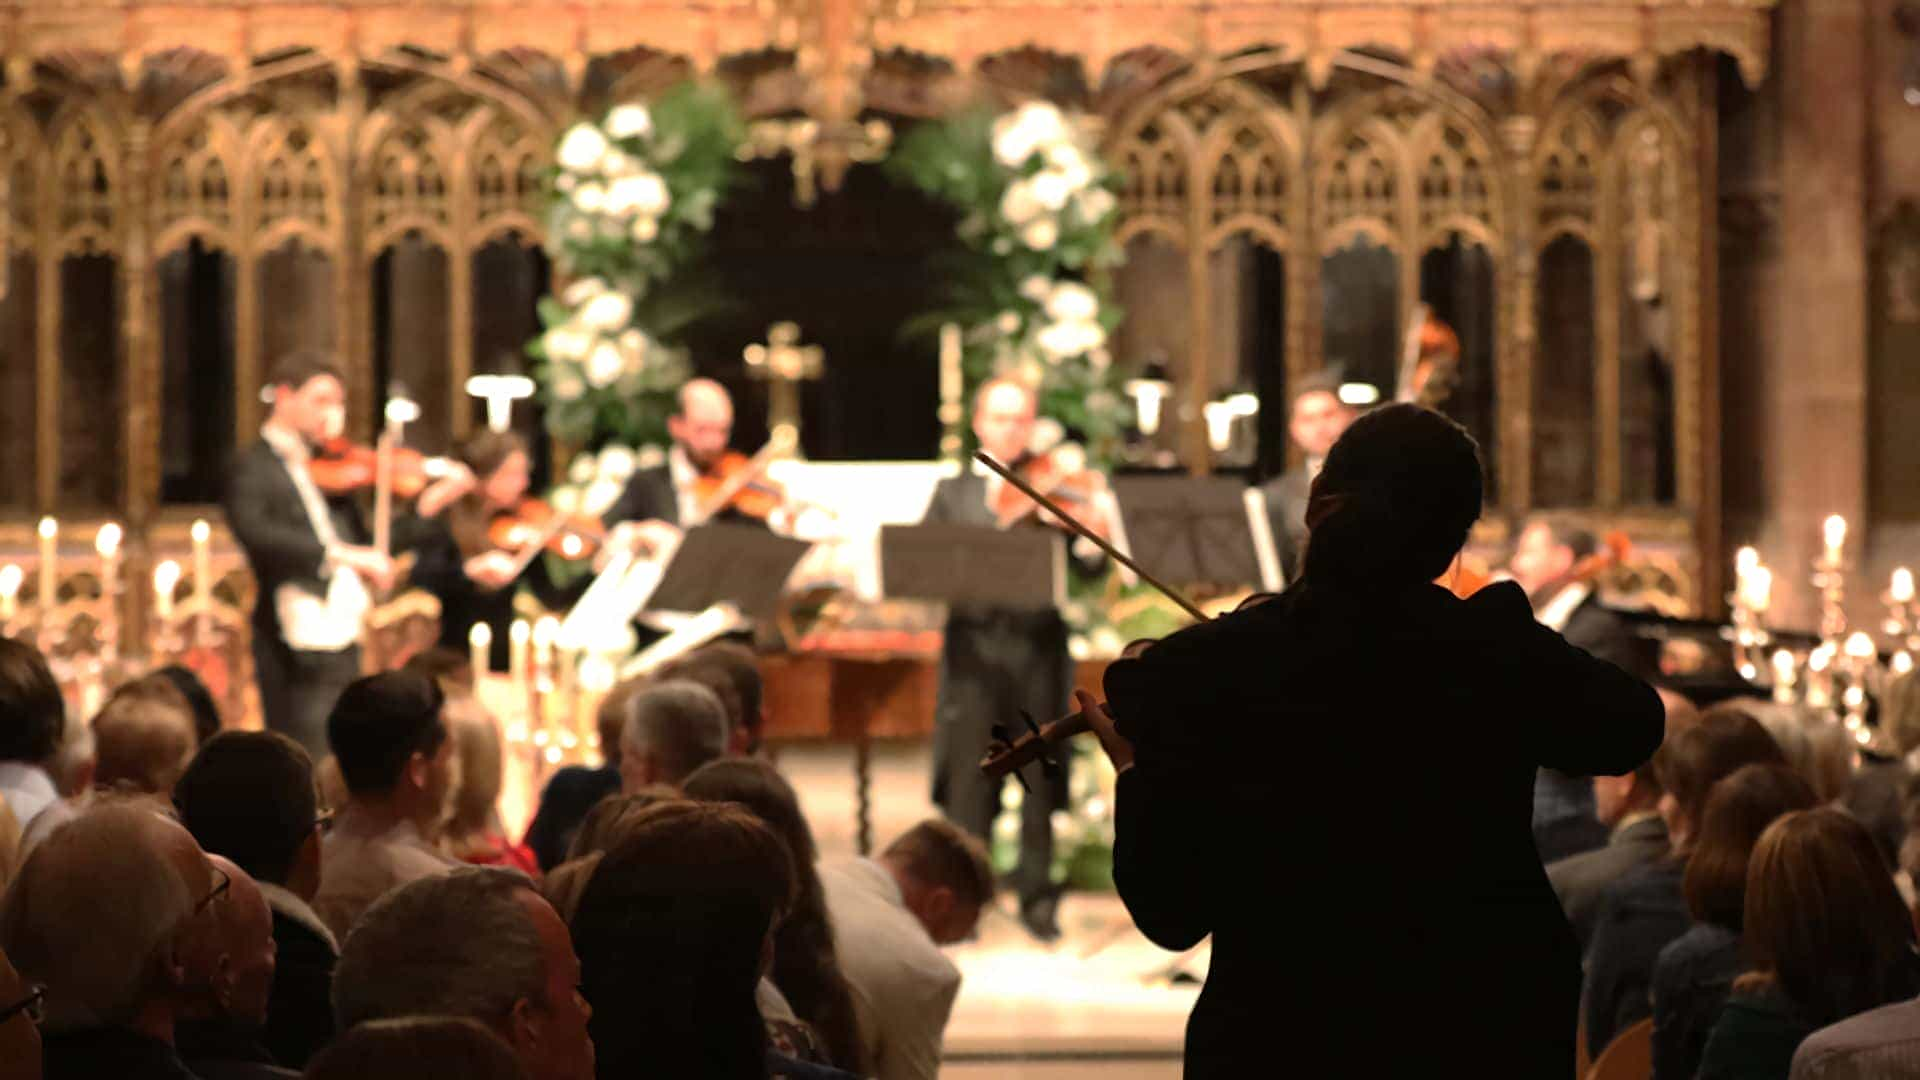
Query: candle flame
x,y
520,632
545,631
1902,588
1746,560
1835,531
166,577
49,528
1782,664
1860,646
107,541
481,636
201,531
10,578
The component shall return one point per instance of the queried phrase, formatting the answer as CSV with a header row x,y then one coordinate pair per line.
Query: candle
x,y
950,372
517,638
203,566
10,578
544,631
1835,533
1859,646
480,641
49,569
166,578
1756,589
1901,590
106,544
1745,560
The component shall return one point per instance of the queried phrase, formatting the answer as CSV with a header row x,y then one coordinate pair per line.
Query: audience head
x,y
113,956
32,713
19,1033
1547,550
309,395
672,729
1738,810
413,1047
737,662
479,943
1394,501
760,788
1694,759
1003,417
390,740
690,669
610,719
206,714
76,761
675,929
1317,417
480,767
1821,751
249,796
1824,923
1899,711
608,818
563,884
450,668
244,978
143,737
945,878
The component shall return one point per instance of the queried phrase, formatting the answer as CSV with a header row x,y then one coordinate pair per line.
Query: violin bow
x,y
1073,523
781,442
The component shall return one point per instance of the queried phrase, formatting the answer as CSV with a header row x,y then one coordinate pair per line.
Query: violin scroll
x,y
1006,755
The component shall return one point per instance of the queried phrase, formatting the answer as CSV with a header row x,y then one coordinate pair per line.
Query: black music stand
x,y
1191,529
974,566
741,565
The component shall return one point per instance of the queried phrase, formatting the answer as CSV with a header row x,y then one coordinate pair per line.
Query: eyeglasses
x,y
34,1005
324,822
220,888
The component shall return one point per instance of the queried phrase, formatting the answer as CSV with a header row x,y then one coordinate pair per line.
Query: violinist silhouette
x,y
1336,784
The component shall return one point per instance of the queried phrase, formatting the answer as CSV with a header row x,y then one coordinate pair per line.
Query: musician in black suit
x,y
310,554
1315,420
1238,742
1546,563
994,664
701,427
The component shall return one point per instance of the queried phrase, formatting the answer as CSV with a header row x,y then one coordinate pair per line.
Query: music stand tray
x,y
1200,529
974,566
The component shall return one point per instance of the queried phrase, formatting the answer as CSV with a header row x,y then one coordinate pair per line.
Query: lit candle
x,y
517,638
166,578
1835,533
106,544
950,370
203,566
1756,589
1901,590
1745,560
1859,646
544,631
480,641
49,568
10,578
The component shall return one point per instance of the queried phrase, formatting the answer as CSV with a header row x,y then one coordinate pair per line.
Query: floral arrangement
x,y
1038,212
630,201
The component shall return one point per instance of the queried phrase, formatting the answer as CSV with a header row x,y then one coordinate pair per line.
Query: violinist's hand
x,y
1119,750
375,567
490,570
653,536
442,493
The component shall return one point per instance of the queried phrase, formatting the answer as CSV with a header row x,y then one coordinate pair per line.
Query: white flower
x,y
1071,301
600,496
650,456
1066,159
1037,288
582,148
567,342
619,163
644,229
1100,359
1046,435
1033,126
1078,647
1051,190
565,500
629,122
582,470
568,388
1094,204
615,463
651,197
590,198
579,229
582,291
1063,340
1040,234
604,365
1007,323
565,182
608,312
1019,205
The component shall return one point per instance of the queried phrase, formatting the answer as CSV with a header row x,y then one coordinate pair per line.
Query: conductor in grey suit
x,y
1316,419
996,663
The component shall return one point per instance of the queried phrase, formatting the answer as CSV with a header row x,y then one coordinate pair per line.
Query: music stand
x,y
974,566
1200,529
740,565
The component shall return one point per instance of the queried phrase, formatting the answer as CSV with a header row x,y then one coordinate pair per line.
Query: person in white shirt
x,y
33,720
890,917
391,742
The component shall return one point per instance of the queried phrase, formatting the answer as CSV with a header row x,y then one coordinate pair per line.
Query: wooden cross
x,y
783,362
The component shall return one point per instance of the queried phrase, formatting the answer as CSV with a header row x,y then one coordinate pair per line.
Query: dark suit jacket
x,y
1286,496
218,1050
563,806
1580,879
97,1053
1601,631
300,1006
267,518
1240,819
1638,915
648,495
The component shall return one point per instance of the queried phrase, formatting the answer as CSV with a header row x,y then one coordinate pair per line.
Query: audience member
x,y
1828,937
743,668
563,884
672,729
249,796
387,733
1629,806
112,914
9,844
673,930
206,714
1694,973
20,1008
693,669
33,717
575,789
806,966
890,917
479,943
451,668
1821,751
143,737
417,1047
1645,910
473,832
609,816
219,1032
75,762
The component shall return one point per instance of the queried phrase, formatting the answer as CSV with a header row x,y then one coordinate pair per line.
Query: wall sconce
x,y
1221,416
500,392
1359,395
1150,396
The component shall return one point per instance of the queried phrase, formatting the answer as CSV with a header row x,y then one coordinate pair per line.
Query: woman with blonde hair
x,y
473,832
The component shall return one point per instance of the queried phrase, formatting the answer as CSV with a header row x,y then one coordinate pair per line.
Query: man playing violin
x,y
309,551
1554,562
996,664
670,494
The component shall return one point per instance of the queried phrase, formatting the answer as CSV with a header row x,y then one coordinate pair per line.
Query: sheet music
x,y
1265,551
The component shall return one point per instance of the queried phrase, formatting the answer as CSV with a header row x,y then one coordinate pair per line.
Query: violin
x,y
533,525
738,482
341,467
1049,476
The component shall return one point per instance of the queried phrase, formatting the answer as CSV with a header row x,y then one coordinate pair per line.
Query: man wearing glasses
x,y
114,914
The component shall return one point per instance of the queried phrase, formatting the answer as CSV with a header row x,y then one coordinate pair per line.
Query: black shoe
x,y
1039,917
